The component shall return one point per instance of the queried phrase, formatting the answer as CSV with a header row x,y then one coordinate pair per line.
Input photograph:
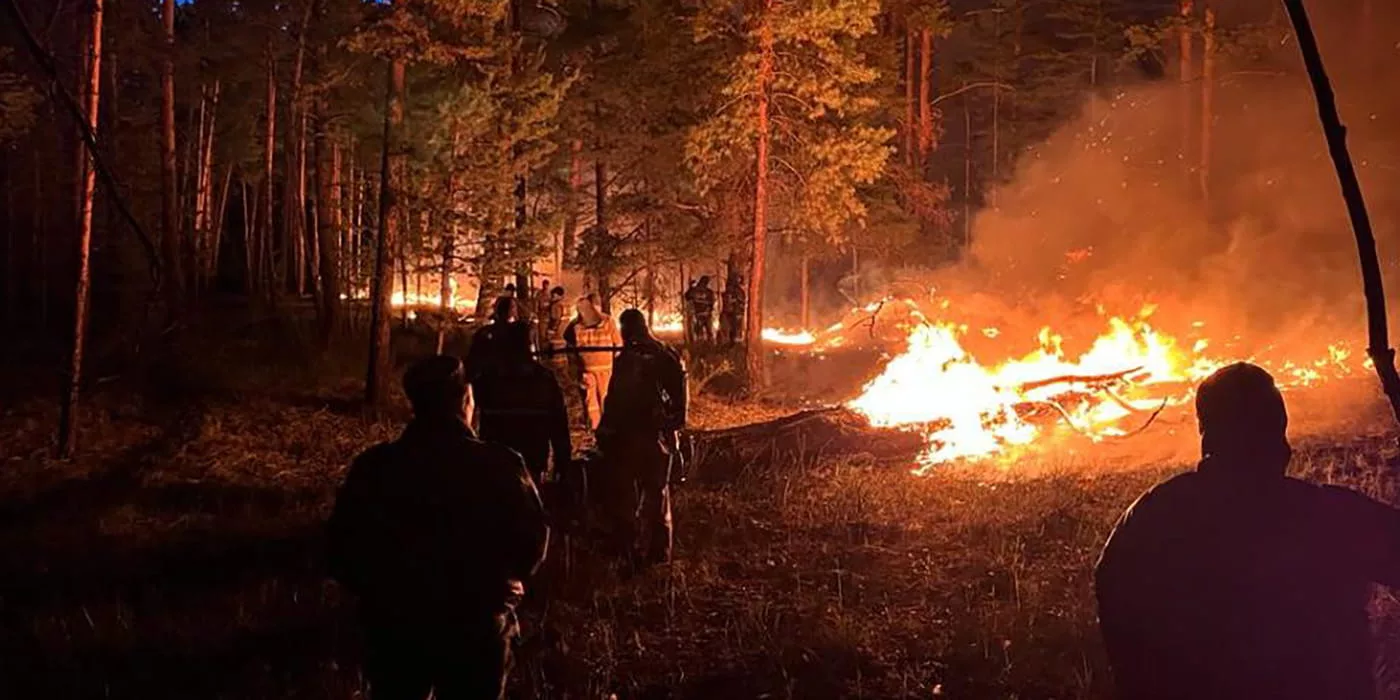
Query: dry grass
x,y
179,557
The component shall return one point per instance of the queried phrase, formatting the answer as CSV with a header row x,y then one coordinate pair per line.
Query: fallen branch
x,y
1080,379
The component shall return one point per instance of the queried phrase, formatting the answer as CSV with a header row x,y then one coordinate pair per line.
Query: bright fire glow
x,y
967,410
785,337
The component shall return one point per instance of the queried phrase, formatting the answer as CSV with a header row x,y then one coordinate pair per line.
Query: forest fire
x,y
970,410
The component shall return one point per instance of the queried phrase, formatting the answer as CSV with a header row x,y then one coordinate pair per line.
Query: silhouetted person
x,y
436,533
520,406
593,333
734,300
645,411
1235,581
701,300
539,315
485,352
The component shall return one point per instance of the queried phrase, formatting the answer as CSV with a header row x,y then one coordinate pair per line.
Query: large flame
x,y
968,410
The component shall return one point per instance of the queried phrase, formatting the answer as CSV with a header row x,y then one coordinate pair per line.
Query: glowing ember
x,y
968,410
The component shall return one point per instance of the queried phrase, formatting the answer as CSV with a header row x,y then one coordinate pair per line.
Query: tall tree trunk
x,y
925,99
327,228
270,285
200,184
404,231
205,205
806,292
571,208
996,115
600,218
250,238
1207,99
337,210
910,80
967,173
381,302
171,249
216,233
294,155
68,414
1188,74
1373,284
753,347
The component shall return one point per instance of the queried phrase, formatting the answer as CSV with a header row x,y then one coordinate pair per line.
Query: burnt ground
x,y
178,556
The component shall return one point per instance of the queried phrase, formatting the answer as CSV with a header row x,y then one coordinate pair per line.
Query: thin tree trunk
x,y
1188,74
200,185
967,173
445,300
337,210
293,152
68,419
270,284
600,218
328,228
996,117
210,210
910,80
806,293
377,376
171,249
216,236
403,272
1207,99
753,350
571,209
925,99
1382,355
250,246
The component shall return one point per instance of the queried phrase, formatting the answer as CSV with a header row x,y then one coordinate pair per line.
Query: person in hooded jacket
x,y
1236,581
436,534
644,414
521,406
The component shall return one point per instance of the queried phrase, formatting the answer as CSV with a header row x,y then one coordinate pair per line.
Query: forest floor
x,y
179,556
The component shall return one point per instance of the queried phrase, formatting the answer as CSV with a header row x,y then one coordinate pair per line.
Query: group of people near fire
x,y
1228,581
438,532
698,304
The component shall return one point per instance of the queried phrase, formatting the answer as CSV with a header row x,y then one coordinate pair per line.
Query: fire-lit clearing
x,y
968,410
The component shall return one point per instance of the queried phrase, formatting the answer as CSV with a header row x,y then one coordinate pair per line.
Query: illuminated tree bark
x,y
382,292
753,349
68,414
171,250
1207,98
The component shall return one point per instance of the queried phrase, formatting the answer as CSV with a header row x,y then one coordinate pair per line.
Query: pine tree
x,y
795,112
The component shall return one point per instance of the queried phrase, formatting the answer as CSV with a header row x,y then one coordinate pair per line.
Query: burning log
x,y
1090,380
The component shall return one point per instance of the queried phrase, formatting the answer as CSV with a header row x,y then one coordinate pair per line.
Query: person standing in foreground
x,y
436,534
1236,581
644,414
593,334
521,406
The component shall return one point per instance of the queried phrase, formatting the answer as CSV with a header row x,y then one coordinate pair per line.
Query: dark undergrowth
x,y
179,556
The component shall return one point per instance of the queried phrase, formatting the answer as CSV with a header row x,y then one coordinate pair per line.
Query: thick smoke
x,y
1255,253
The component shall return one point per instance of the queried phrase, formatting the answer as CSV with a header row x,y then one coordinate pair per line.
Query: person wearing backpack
x,y
642,418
